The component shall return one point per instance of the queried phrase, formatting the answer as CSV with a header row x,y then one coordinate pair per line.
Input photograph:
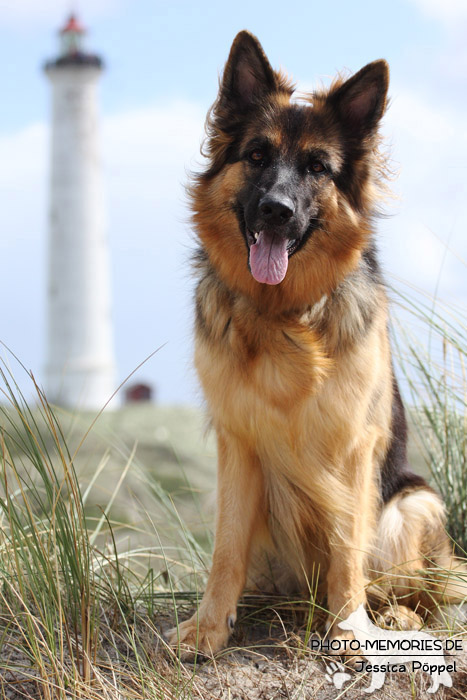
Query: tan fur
x,y
299,387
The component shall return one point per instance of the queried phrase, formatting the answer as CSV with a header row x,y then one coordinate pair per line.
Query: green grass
x,y
77,608
46,557
432,353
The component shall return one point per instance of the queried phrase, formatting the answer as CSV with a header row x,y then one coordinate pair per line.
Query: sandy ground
x,y
257,666
282,666
246,676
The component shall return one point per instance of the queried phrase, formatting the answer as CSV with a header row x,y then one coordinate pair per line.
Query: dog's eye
x,y
316,166
256,155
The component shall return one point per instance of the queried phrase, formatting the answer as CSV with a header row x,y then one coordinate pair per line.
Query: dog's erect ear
x,y
360,101
248,75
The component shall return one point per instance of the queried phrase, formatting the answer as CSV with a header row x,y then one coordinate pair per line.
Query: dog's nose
x,y
276,211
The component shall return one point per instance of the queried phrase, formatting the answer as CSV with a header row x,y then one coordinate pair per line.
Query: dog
x,y
292,350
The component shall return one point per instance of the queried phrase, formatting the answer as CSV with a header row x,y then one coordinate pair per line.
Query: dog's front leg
x,y
239,510
345,591
351,540
345,580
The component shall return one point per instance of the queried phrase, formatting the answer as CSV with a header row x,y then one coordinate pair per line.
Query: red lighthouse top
x,y
73,25
72,50
71,37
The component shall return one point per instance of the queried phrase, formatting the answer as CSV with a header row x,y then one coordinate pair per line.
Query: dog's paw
x,y
198,636
344,645
398,617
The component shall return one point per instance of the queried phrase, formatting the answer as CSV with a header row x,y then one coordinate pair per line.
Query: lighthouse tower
x,y
80,366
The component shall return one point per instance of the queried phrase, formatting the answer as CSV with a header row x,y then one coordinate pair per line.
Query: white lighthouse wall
x,y
80,370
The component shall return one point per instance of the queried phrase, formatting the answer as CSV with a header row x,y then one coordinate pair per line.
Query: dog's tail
x,y
413,557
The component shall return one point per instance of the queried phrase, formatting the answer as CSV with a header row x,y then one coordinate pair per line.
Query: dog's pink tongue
x,y
269,259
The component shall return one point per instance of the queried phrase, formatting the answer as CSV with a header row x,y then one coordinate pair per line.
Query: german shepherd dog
x,y
293,353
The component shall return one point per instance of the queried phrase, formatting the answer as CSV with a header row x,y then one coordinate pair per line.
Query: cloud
x,y
22,193
448,11
419,119
429,146
30,145
147,150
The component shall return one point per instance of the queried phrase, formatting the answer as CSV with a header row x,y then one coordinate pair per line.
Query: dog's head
x,y
288,181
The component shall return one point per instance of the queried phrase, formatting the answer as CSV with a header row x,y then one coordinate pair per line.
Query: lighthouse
x,y
80,367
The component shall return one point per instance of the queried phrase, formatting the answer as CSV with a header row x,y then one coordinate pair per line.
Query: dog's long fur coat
x,y
293,353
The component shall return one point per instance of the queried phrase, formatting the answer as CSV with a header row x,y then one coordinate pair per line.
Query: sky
x,y
163,61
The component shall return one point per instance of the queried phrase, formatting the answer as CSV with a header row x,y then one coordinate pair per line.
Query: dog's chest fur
x,y
285,391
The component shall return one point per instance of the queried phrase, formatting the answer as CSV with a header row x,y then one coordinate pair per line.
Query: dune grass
x,y
77,617
431,342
